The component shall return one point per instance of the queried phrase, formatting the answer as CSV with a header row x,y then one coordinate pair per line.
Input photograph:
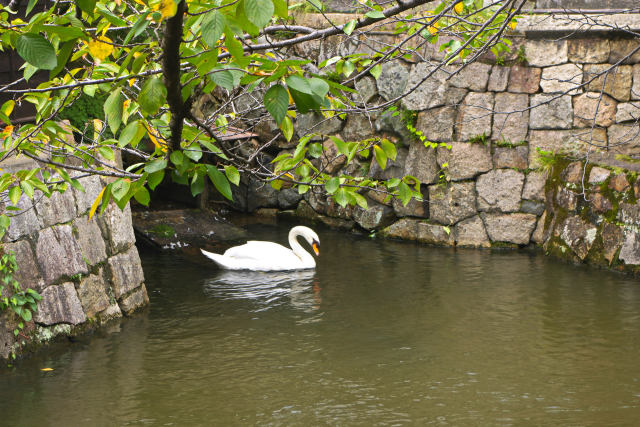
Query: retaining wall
x,y
87,270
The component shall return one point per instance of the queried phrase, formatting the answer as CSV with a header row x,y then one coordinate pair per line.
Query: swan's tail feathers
x,y
217,258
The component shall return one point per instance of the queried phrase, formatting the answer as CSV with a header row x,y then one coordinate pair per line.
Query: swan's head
x,y
309,235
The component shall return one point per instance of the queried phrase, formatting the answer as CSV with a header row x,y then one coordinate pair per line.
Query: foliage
x,y
151,60
21,302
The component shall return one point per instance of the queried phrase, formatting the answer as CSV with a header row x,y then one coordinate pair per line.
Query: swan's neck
x,y
296,247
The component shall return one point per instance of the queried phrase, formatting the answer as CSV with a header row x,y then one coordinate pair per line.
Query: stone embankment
x,y
509,129
87,270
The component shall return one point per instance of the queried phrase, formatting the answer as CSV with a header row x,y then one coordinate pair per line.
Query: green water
x,y
382,333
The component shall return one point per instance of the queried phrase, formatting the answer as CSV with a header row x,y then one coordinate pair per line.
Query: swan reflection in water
x,y
268,289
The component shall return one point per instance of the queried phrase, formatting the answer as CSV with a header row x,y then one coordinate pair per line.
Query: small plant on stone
x,y
546,159
21,302
521,57
443,176
479,139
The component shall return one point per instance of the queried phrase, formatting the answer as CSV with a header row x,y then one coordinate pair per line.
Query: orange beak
x,y
316,248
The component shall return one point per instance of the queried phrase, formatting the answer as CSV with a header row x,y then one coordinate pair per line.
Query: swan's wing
x,y
262,251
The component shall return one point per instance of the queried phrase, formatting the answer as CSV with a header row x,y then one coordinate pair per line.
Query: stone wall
x,y
492,187
87,270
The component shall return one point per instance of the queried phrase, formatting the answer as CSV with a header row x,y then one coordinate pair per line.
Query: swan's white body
x,y
269,256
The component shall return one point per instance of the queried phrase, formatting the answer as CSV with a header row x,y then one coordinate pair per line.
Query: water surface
x,y
381,333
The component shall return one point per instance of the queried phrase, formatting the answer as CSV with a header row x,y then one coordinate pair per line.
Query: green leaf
x,y
87,5
5,221
280,8
404,193
107,153
349,27
219,181
113,110
26,315
332,185
120,188
375,71
27,188
259,12
176,158
30,6
299,83
155,178
319,87
131,134
197,184
223,78
381,156
375,14
287,128
276,101
342,197
348,68
360,200
389,149
156,165
14,194
37,51
152,95
63,56
233,46
212,27
232,174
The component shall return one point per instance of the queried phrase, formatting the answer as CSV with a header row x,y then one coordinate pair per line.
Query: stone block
x,y
117,226
474,116
84,199
511,157
500,190
317,123
28,274
511,228
593,108
588,50
437,124
366,89
392,80
498,79
534,186
531,207
621,49
59,254
579,235
125,271
405,229
394,168
452,203
474,77
635,87
358,127
624,139
630,250
57,209
600,203
562,79
612,239
376,217
567,199
465,160
289,198
421,163
331,160
88,235
538,235
629,214
551,112
598,175
511,117
432,91
394,124
434,234
619,183
92,293
627,112
524,79
573,173
134,301
566,142
617,83
60,304
543,53
415,208
24,222
471,233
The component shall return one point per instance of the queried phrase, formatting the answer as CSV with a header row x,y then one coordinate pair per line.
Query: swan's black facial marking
x,y
316,247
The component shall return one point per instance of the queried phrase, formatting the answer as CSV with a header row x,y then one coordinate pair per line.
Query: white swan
x,y
269,256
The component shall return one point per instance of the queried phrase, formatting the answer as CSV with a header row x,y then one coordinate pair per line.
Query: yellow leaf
x,y
47,369
96,203
154,136
126,104
100,49
131,82
458,8
8,130
513,24
433,29
168,8
9,107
